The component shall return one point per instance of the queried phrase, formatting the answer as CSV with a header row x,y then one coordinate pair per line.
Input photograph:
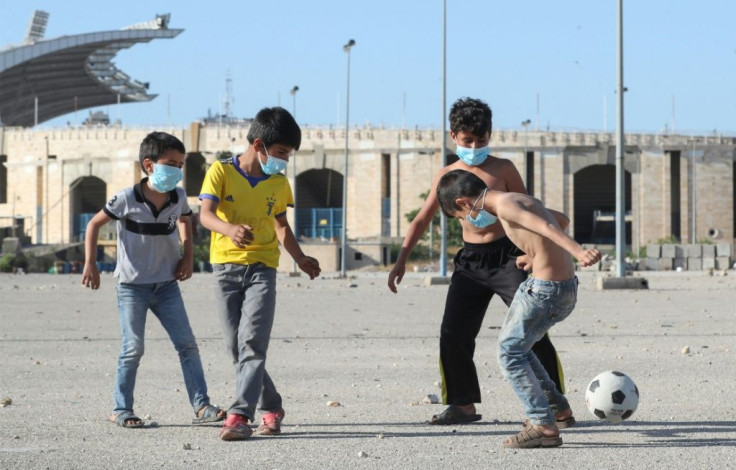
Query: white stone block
x,y
668,251
694,251
695,264
666,264
723,249
659,264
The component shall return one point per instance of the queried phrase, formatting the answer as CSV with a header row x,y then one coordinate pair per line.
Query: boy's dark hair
x,y
471,115
275,126
156,144
456,184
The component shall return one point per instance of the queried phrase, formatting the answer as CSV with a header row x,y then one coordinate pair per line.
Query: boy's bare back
x,y
523,217
527,223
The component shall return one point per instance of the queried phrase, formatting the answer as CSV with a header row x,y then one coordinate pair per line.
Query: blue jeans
x,y
246,300
536,307
164,300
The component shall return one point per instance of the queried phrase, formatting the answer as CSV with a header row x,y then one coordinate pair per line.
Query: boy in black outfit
x,y
486,265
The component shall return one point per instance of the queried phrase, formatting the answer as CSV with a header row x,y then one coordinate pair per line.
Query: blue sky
x,y
680,59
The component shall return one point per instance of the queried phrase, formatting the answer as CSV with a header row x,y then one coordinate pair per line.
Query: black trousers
x,y
481,270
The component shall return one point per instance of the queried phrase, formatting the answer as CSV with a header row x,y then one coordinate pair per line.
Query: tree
x,y
454,232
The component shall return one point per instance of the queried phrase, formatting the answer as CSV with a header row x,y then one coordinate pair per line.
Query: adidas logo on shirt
x,y
229,198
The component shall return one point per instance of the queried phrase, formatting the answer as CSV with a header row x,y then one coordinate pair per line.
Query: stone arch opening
x,y
195,167
88,196
319,204
595,205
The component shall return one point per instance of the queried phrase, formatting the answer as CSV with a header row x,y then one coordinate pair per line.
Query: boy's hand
x,y
588,257
91,276
395,276
184,269
524,262
309,265
241,235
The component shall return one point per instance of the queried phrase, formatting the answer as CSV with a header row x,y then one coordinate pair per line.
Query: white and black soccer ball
x,y
612,396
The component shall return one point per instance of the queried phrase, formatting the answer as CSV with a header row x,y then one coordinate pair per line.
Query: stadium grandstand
x,y
41,79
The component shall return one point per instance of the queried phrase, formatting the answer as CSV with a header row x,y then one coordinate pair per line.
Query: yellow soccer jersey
x,y
243,199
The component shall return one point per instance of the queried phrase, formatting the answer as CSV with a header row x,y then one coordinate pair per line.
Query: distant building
x,y
55,179
97,118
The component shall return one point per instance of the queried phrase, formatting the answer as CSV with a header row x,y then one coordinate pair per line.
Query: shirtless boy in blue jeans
x,y
547,297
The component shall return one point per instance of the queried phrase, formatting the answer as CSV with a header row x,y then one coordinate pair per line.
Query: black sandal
x,y
122,418
454,415
210,414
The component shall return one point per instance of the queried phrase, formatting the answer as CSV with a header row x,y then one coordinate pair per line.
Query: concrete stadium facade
x,y
50,180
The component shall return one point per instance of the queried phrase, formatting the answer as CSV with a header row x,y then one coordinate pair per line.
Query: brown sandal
x,y
530,438
561,423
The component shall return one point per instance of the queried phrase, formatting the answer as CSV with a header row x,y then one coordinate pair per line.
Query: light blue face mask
x,y
164,177
273,165
484,218
472,157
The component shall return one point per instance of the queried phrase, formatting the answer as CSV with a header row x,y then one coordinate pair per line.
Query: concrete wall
x,y
694,257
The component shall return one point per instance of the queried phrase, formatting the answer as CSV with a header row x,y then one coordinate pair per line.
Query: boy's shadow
x,y
648,433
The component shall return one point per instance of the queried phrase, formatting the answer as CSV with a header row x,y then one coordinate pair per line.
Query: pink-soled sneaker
x,y
271,423
235,428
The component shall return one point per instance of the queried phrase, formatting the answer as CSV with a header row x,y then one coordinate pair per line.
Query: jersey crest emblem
x,y
270,202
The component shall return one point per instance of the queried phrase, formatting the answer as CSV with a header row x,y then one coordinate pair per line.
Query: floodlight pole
x,y
343,243
443,218
293,157
525,124
620,181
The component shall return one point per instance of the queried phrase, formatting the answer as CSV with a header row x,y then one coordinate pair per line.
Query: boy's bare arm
x,y
561,218
287,239
90,273
241,235
516,213
185,267
416,228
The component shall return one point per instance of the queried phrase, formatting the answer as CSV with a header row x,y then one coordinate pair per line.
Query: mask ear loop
x,y
483,202
482,195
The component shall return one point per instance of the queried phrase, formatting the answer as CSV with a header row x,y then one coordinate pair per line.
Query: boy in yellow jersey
x,y
244,203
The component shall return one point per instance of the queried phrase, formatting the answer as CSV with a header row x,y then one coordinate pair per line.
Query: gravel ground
x,y
376,354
